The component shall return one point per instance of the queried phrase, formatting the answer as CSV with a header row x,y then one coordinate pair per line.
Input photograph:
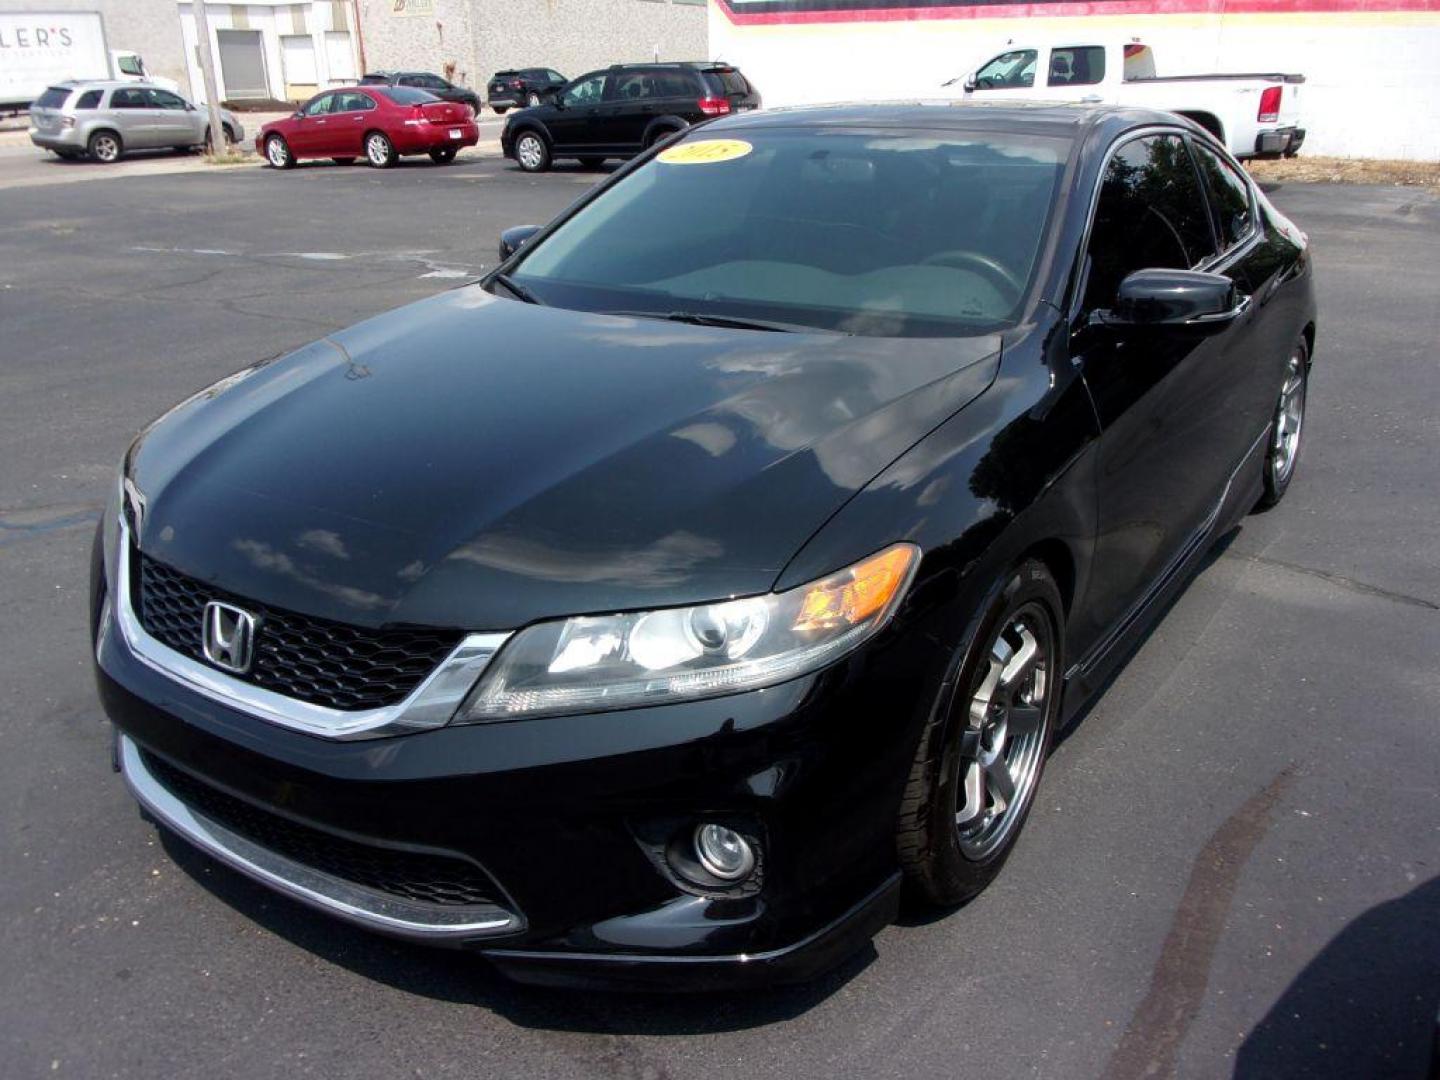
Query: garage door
x,y
242,64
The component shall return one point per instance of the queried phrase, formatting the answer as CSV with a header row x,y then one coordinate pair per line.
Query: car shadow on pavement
x,y
1365,1006
466,979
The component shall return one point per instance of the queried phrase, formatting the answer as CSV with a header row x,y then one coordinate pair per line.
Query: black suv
x,y
425,80
622,110
522,86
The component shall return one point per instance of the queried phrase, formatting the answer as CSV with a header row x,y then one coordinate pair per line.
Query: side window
x,y
129,99
1229,197
1079,65
1009,70
1150,214
632,86
130,64
89,100
163,99
585,91
320,106
555,76
677,84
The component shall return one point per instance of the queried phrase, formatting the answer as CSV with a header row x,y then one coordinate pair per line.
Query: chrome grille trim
x,y
431,704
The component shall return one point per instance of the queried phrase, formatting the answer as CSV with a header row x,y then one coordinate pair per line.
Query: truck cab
x,y
1253,114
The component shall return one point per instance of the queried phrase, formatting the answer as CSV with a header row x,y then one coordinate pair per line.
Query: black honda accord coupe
x,y
660,607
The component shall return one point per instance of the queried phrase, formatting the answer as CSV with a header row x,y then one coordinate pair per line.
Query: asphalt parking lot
x,y
1233,864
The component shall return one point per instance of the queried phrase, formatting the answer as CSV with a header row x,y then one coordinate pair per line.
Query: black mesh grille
x,y
312,660
432,879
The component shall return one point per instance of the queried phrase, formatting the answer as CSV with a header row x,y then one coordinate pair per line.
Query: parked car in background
x,y
522,87
379,123
853,449
106,120
1253,114
622,110
443,89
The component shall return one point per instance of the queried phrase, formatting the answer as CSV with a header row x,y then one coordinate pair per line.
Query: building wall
x,y
1372,67
324,30
148,27
467,40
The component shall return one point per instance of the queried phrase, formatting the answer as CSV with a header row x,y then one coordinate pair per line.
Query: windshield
x,y
900,235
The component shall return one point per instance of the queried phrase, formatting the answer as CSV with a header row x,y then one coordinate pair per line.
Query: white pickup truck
x,y
1255,114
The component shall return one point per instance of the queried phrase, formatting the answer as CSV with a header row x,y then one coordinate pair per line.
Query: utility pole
x,y
207,71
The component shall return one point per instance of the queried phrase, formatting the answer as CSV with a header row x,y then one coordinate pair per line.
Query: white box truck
x,y
40,48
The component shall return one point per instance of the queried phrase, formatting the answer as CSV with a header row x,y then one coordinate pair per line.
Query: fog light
x,y
723,852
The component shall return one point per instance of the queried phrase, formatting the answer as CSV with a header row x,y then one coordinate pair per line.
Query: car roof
x,y
1069,119
99,84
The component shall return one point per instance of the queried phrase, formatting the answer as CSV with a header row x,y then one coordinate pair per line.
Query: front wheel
x,y
379,150
983,750
1284,452
443,156
229,140
277,152
532,153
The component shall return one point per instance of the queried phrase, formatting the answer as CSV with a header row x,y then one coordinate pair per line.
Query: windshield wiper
x,y
520,292
700,319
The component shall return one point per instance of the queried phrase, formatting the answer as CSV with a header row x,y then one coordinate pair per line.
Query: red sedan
x,y
380,123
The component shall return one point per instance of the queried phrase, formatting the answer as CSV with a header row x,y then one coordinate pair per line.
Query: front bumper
x,y
569,817
1280,141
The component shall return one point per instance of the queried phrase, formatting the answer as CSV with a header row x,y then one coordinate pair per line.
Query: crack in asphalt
x,y
47,519
1338,579
1151,1042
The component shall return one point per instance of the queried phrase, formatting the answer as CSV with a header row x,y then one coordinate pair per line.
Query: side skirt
x,y
1242,491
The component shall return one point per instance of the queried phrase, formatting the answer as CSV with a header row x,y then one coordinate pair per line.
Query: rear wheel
x,y
105,146
983,751
343,160
1284,451
531,152
500,109
277,152
379,150
443,156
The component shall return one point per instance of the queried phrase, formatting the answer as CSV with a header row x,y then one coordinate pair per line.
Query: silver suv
x,y
107,119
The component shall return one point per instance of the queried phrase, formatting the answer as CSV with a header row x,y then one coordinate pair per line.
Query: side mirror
x,y
513,239
189,107
1187,299
969,85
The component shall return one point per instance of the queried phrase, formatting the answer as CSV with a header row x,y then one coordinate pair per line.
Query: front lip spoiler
x,y
424,923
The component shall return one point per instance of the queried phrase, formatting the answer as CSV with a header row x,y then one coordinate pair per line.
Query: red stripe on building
x,y
1077,8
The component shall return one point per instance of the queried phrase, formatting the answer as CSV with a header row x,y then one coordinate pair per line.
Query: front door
x,y
310,134
1165,451
176,123
574,125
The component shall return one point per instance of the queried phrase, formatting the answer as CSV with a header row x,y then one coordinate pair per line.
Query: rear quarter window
x,y
52,98
722,83
89,100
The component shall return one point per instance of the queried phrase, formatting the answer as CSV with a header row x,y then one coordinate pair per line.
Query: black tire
x,y
658,135
943,863
532,152
68,155
592,162
499,109
229,139
444,155
105,146
343,160
278,153
379,150
1282,456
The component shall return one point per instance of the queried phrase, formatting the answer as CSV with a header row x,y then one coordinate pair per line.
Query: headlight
x,y
593,663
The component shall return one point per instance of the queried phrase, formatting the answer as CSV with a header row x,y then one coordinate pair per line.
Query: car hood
x,y
476,462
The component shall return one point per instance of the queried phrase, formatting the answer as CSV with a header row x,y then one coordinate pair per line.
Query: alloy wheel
x,y
530,151
105,147
377,150
277,153
1289,418
1004,737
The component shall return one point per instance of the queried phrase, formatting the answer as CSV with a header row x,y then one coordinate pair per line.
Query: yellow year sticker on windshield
x,y
705,152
